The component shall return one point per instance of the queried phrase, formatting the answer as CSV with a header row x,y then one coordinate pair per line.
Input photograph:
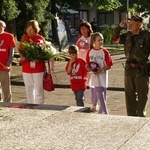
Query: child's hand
x,y
72,60
88,68
98,71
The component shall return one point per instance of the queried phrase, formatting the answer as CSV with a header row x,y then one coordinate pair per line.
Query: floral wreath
x,y
94,66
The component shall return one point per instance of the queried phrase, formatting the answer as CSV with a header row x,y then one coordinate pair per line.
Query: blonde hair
x,y
3,23
34,24
94,36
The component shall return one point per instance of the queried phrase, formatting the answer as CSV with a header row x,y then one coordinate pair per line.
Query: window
x,y
105,18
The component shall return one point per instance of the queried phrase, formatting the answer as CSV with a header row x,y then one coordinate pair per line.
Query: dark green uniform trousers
x,y
136,95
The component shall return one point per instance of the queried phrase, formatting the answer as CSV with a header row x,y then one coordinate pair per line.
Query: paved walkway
x,y
56,126
48,129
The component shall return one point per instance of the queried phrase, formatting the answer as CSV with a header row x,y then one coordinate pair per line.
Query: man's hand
x,y
122,24
8,68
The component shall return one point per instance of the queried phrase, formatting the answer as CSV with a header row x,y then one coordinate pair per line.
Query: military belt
x,y
135,64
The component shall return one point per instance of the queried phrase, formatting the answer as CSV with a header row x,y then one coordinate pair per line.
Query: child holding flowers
x,y
33,66
98,62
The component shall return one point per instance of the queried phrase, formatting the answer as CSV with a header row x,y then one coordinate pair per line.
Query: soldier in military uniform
x,y
137,67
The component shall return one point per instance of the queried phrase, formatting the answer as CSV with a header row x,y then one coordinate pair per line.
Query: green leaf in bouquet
x,y
33,51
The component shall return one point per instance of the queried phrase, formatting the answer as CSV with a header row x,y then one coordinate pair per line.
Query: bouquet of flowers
x,y
36,51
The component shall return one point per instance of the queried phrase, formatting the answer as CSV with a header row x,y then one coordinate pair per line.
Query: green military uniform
x,y
137,70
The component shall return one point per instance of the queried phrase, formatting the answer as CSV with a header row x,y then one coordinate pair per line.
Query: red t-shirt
x,y
94,53
6,41
78,75
39,65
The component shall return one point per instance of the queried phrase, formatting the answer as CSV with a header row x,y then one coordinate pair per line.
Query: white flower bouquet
x,y
36,51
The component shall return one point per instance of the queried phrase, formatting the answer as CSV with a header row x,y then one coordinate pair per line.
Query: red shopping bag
x,y
48,84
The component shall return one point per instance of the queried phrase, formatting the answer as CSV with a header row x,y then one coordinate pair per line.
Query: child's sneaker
x,y
93,108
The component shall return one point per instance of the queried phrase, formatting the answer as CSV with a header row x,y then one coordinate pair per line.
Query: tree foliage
x,y
44,11
8,10
34,9
100,4
140,6
108,5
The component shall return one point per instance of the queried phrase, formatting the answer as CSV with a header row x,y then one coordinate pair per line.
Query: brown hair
x,y
34,24
73,49
94,36
87,25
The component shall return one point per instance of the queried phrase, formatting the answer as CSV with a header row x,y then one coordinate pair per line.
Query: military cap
x,y
136,18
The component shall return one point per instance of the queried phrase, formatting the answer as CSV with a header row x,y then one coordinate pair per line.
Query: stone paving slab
x,y
58,130
139,141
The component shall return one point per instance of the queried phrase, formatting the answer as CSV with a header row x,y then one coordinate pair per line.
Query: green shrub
x,y
107,32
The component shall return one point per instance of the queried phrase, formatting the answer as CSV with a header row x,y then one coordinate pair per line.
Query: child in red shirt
x,y
78,74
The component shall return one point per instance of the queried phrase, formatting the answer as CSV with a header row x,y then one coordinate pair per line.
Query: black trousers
x,y
79,97
136,95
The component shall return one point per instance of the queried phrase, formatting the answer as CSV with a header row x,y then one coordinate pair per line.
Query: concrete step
x,y
43,129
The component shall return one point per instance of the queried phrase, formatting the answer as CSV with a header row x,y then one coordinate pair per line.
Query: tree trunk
x,y
54,22
11,28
